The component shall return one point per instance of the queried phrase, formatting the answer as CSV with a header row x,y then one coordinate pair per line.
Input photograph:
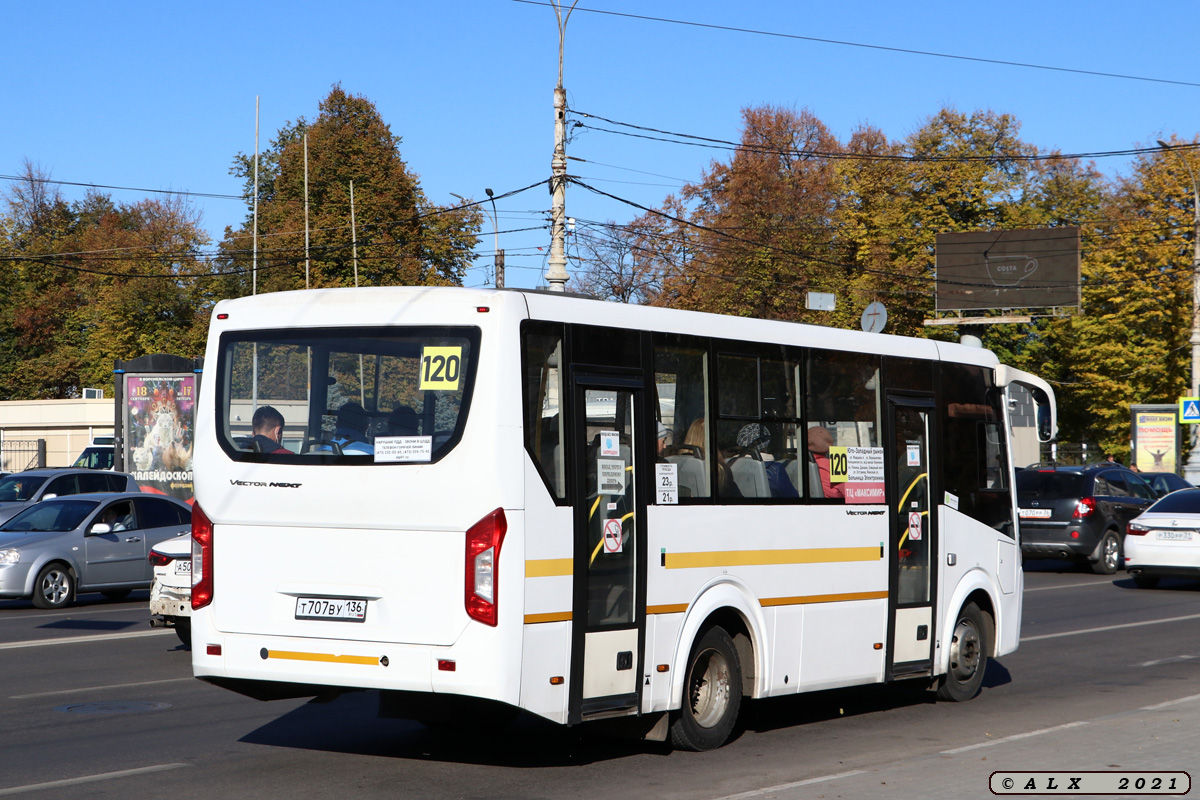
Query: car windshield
x,y
346,395
1185,501
1050,484
56,516
95,458
20,488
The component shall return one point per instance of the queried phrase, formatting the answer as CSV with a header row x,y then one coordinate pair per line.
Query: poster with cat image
x,y
159,421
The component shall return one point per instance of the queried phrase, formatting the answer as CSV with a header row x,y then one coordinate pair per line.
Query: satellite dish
x,y
874,317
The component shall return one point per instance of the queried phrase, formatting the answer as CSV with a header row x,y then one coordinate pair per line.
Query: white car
x,y
1165,540
171,592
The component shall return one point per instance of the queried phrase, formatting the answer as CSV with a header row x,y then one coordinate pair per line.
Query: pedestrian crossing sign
x,y
1189,410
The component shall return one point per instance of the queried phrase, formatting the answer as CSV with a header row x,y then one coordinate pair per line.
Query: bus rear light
x,y
213,650
446,665
202,558
482,566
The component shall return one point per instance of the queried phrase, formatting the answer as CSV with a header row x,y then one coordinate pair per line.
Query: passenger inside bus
x,y
819,483
755,469
351,431
267,425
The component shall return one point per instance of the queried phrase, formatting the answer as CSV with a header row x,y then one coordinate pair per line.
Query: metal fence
x,y
20,454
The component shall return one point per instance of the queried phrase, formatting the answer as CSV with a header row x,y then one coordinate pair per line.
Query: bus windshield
x,y
345,395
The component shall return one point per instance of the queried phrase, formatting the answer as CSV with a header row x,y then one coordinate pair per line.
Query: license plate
x,y
1174,535
183,567
341,609
1035,513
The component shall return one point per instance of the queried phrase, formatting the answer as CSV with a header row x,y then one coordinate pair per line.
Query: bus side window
x,y
681,385
542,389
841,409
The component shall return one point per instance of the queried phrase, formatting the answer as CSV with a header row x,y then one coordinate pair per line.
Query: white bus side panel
x,y
547,585
839,645
976,550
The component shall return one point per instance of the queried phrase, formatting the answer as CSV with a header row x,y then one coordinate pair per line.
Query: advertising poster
x,y
159,420
1154,441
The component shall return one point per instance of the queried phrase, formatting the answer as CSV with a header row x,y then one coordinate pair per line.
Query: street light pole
x,y
498,258
1191,470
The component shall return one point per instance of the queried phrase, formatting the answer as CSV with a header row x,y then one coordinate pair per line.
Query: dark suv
x,y
1079,512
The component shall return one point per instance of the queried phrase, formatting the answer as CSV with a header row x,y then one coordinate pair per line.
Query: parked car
x,y
1079,512
1163,483
171,592
22,489
96,456
1165,541
57,548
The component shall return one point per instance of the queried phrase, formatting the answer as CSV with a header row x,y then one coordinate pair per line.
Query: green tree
x,y
402,238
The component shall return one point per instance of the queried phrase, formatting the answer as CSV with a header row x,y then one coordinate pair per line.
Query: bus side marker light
x,y
663,667
557,680
878,646
213,650
446,665
482,309
222,316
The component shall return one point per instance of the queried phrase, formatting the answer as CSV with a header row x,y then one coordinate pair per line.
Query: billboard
x,y
983,270
159,417
1156,438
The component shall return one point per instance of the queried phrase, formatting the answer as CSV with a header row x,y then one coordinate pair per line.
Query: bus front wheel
x,y
712,694
968,657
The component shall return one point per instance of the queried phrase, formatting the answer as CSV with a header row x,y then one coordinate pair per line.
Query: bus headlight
x,y
10,556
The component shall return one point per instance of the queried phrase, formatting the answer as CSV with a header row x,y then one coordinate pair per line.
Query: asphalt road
x,y
95,704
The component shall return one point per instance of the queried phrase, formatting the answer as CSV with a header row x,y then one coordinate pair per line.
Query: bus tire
x,y
712,694
968,657
54,587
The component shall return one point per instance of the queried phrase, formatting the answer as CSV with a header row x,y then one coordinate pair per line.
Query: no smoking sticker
x,y
612,536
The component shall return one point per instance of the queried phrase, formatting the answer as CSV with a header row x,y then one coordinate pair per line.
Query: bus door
x,y
913,535
608,607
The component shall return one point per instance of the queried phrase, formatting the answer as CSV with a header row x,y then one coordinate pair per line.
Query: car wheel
x,y
1110,554
1145,581
968,657
183,629
117,594
712,694
54,587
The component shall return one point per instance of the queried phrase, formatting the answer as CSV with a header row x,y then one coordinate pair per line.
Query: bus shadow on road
x,y
349,724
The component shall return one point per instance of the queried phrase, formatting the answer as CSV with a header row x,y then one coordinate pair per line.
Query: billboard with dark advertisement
x,y
1012,269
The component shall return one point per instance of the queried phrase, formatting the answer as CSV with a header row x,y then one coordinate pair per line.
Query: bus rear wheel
x,y
712,694
968,657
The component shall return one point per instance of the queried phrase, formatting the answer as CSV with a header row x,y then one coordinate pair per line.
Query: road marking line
x,y
98,688
1068,586
79,613
1012,738
1169,703
1107,628
785,786
1171,660
105,776
99,637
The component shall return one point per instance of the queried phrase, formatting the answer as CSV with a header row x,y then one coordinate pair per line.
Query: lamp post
x,y
498,258
1191,470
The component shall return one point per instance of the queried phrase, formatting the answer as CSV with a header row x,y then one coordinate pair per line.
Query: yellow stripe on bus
x,y
549,567
555,616
751,558
821,598
289,655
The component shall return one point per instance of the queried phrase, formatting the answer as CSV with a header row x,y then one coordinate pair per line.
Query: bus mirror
x,y
1042,403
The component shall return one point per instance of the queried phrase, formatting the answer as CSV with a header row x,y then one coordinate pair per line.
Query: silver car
x,y
86,543
20,490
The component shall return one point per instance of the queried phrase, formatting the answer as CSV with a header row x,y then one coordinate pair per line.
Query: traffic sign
x,y
1189,410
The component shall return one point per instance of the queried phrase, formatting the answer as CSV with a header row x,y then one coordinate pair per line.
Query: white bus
x,y
484,501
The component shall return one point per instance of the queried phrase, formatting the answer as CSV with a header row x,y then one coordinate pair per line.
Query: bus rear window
x,y
345,395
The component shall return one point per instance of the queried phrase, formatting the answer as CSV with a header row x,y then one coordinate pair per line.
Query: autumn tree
x,y
402,238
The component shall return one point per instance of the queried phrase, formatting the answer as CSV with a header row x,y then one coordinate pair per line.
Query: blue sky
x,y
161,95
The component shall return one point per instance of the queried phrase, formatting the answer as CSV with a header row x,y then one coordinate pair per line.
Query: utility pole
x,y
498,258
1191,470
556,275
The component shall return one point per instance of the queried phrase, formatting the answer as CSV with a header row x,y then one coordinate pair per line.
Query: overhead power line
x,y
886,48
